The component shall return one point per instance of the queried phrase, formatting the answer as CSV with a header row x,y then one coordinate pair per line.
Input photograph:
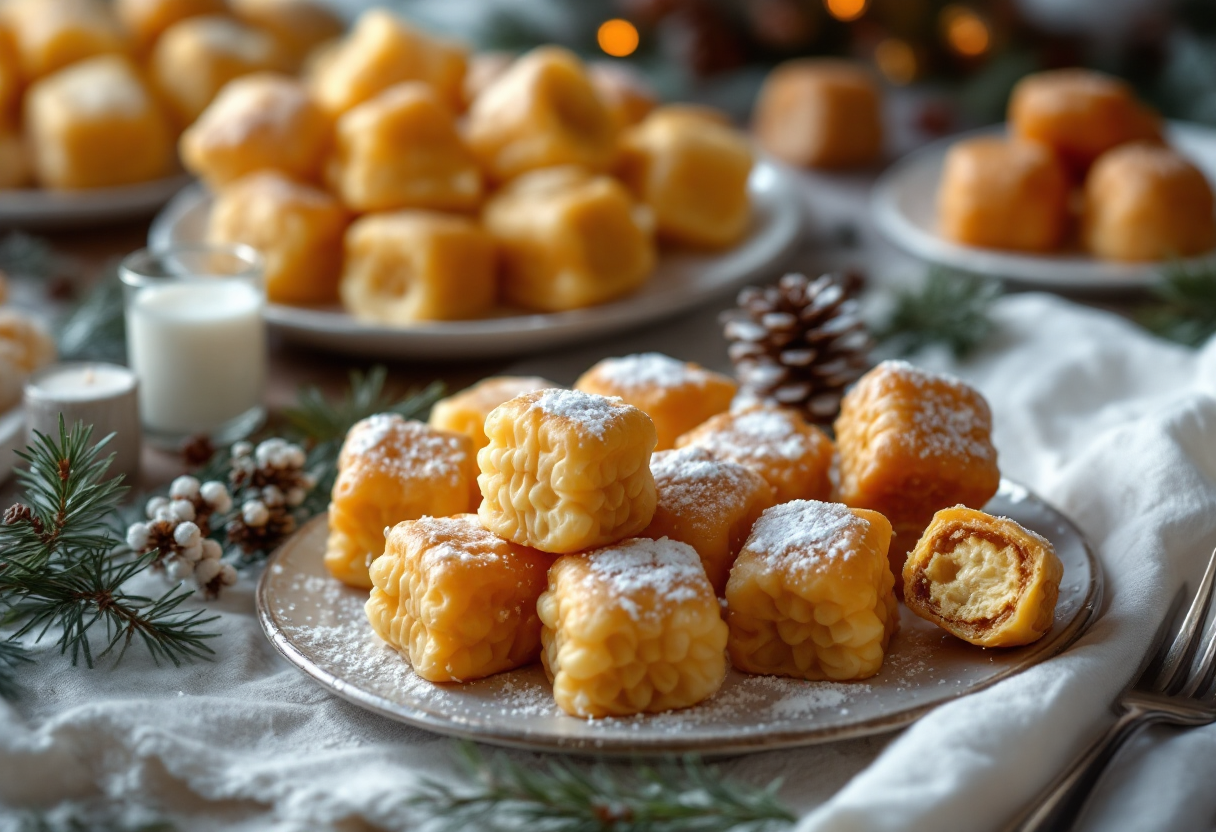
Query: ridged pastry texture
x,y
457,601
631,628
566,470
390,470
466,411
985,579
708,503
677,395
793,455
811,595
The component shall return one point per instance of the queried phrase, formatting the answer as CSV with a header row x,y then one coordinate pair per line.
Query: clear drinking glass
x,y
196,340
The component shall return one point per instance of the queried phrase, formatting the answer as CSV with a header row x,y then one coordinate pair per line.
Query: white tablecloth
x,y
1116,429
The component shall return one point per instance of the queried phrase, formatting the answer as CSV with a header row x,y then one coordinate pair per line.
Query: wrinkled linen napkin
x,y
1116,429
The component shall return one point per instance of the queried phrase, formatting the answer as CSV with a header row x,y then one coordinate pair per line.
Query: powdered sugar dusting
x,y
692,480
594,414
950,419
806,534
668,568
405,447
460,538
759,433
648,370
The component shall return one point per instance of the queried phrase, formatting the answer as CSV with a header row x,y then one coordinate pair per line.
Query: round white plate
x,y
319,625
40,208
683,280
12,439
904,206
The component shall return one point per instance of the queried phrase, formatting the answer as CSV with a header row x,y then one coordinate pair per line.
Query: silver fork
x,y
1173,689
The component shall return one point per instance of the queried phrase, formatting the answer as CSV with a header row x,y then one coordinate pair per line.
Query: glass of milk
x,y
196,341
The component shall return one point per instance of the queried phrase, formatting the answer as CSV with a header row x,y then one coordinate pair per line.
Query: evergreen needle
x,y
1185,309
951,308
12,656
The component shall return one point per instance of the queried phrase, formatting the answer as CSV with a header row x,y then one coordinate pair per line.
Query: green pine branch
x,y
950,309
96,329
1185,307
12,656
684,796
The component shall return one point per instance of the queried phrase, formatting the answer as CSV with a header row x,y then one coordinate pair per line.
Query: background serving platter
x,y
48,209
682,281
904,208
319,625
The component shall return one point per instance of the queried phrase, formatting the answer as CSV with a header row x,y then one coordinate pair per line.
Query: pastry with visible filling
x,y
708,503
466,411
566,470
985,579
631,628
811,595
389,470
457,601
677,395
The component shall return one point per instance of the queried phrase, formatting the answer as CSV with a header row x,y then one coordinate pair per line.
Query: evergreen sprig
x,y
12,656
952,309
681,796
1185,306
96,329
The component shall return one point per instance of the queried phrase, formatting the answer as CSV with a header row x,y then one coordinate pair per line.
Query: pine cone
x,y
801,342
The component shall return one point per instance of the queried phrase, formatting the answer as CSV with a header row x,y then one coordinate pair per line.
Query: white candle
x,y
101,395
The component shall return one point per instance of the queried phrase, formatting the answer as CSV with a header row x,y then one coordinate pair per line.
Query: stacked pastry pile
x,y
595,529
93,94
415,183
1084,159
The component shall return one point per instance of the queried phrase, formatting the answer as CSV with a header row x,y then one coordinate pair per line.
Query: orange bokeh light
x,y
965,31
617,37
845,10
896,60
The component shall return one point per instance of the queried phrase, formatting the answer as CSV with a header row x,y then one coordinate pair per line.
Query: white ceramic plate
x,y
319,625
904,206
12,439
682,281
39,208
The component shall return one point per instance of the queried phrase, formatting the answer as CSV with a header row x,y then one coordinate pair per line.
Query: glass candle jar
x,y
196,340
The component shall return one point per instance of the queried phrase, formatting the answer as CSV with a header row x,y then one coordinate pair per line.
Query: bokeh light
x,y
845,10
618,37
896,60
965,31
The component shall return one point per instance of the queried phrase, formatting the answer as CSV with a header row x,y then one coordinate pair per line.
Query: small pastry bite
x,y
389,470
15,170
631,628
12,84
417,266
569,239
985,579
196,57
626,94
484,69
455,600
677,395
998,193
298,25
811,595
692,172
146,20
298,229
51,34
24,347
383,50
1145,202
566,470
401,149
542,112
708,503
263,121
93,125
820,113
912,442
793,455
466,411
1080,114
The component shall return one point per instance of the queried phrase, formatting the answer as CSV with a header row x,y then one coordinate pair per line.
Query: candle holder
x,y
197,341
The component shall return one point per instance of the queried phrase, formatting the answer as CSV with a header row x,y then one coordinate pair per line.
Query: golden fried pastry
x,y
146,20
708,503
820,113
380,51
1146,202
417,266
626,94
196,57
11,82
263,121
15,169
566,470
985,579
1079,113
998,193
94,124
51,34
569,239
794,456
631,628
811,595
543,111
677,395
24,347
692,172
298,229
911,443
466,411
391,470
299,26
484,69
401,149
455,600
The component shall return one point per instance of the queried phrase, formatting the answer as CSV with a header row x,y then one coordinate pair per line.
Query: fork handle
x,y
1058,808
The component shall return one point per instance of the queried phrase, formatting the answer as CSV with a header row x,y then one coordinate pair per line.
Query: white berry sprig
x,y
177,528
